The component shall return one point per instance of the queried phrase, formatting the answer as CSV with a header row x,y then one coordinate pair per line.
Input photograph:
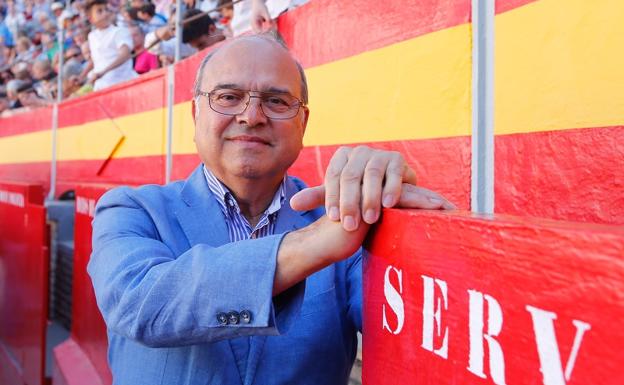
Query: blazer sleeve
x,y
150,295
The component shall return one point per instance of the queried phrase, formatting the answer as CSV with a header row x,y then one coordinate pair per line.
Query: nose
x,y
253,114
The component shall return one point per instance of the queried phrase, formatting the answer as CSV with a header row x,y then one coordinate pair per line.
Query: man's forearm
x,y
310,249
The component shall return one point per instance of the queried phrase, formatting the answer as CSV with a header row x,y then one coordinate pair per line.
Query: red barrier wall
x,y
458,299
82,358
24,261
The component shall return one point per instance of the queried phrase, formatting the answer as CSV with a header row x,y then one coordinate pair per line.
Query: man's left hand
x,y
359,181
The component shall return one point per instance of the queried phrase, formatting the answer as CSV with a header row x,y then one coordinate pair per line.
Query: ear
x,y
304,118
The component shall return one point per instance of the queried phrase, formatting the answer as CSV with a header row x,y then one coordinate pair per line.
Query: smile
x,y
250,139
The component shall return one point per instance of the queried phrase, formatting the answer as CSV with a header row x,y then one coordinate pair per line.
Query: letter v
x,y
548,349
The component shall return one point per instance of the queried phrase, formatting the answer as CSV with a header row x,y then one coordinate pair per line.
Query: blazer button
x,y
222,318
245,316
233,317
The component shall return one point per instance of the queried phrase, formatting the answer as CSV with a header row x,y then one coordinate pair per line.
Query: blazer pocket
x,y
319,301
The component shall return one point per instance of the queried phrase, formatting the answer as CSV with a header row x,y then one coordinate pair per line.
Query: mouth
x,y
249,139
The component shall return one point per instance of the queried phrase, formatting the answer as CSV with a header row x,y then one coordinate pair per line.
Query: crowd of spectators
x,y
103,44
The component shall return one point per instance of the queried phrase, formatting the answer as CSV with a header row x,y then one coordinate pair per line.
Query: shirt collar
x,y
225,197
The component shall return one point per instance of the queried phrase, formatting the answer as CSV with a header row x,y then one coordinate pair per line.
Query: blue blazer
x,y
163,269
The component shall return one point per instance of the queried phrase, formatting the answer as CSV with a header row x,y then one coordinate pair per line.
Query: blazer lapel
x,y
199,213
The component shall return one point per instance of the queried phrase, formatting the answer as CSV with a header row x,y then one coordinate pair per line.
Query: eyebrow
x,y
233,86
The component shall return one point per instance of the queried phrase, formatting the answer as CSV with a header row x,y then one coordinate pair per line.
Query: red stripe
x,y
143,94
568,175
508,5
26,121
323,31
573,175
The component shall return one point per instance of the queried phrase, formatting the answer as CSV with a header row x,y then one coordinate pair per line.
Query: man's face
x,y
249,145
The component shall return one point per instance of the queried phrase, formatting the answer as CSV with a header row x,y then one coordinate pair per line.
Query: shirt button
x,y
222,318
245,316
233,317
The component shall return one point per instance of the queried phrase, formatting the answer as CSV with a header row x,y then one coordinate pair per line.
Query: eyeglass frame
x,y
300,103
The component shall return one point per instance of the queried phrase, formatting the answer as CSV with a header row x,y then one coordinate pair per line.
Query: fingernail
x,y
349,223
436,201
334,214
370,216
388,200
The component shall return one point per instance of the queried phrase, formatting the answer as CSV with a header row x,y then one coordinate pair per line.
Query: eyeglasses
x,y
275,105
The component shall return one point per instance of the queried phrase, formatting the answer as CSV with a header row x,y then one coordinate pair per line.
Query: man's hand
x,y
260,18
359,181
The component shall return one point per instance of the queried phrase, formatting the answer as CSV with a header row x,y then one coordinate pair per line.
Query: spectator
x,y
72,80
5,54
144,61
57,9
14,20
259,14
226,12
73,52
12,88
5,33
79,35
110,48
4,102
87,66
45,85
24,50
28,97
20,70
161,42
151,20
41,6
201,32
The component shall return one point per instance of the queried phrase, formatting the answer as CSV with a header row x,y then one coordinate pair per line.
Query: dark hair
x,y
197,27
91,3
148,8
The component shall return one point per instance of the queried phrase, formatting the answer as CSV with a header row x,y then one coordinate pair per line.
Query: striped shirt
x,y
238,226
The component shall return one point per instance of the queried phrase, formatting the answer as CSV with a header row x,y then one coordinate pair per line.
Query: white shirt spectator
x,y
104,45
241,22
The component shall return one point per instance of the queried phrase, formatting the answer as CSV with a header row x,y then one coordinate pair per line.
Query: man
x,y
218,279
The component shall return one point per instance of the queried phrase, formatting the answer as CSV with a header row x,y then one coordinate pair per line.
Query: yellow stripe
x,y
143,134
559,65
416,89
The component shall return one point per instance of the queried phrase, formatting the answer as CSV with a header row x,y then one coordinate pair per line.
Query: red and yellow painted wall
x,y
394,74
